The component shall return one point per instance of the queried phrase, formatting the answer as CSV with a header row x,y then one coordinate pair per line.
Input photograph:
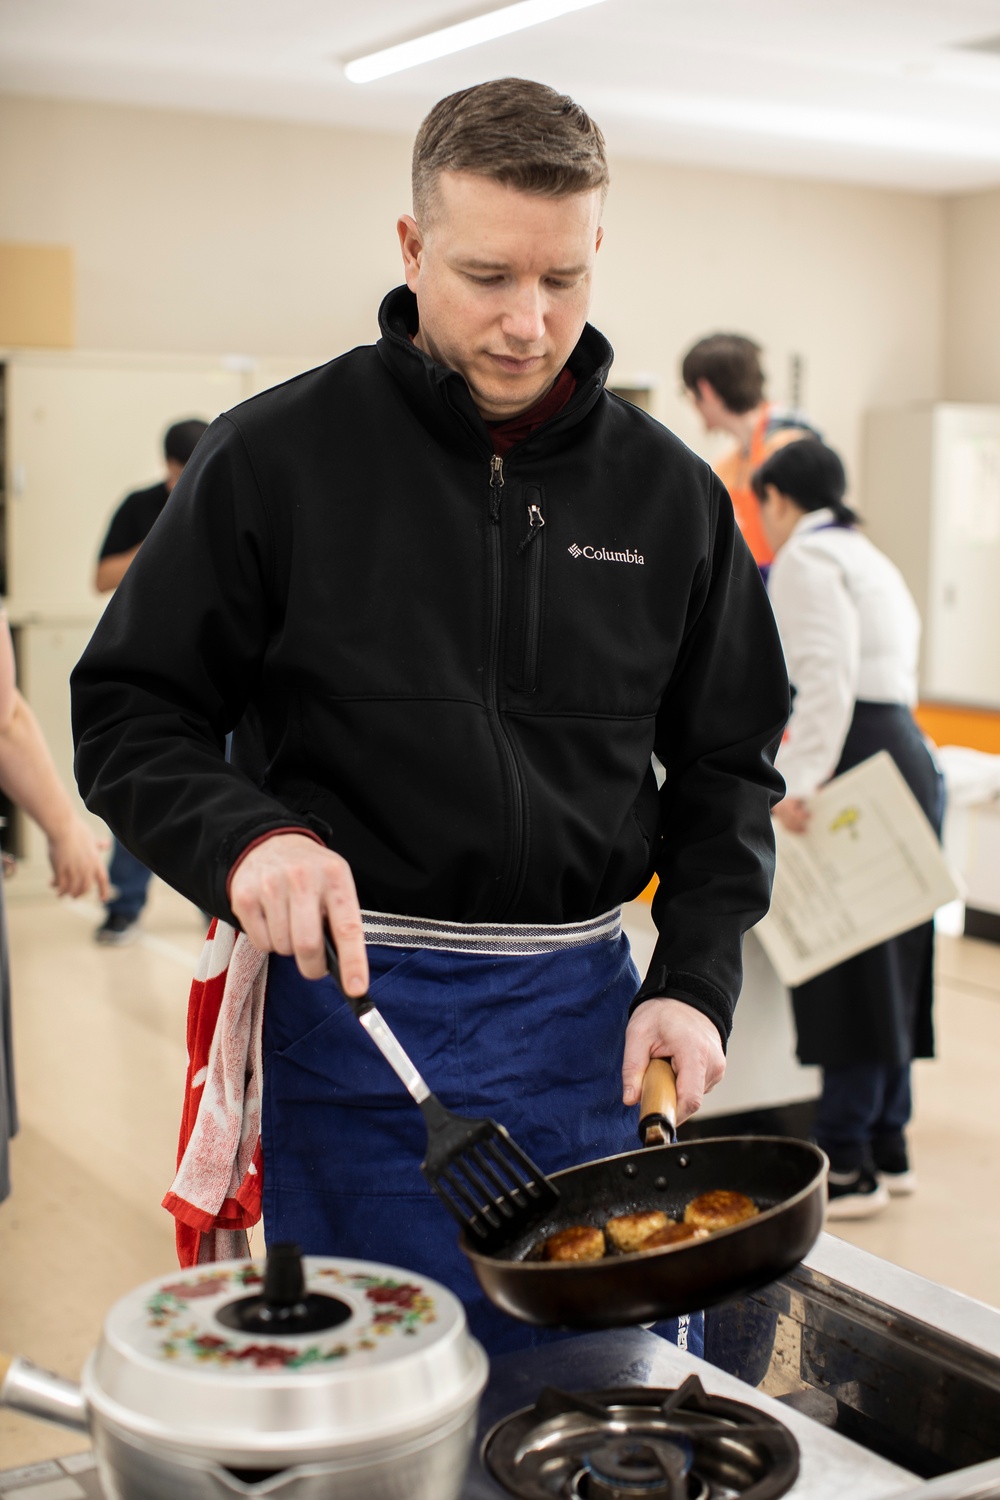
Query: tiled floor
x,y
100,1049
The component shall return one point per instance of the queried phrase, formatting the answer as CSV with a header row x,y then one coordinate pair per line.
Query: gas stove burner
x,y
640,1443
627,1469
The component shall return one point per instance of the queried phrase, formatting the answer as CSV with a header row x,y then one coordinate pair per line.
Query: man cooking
x,y
453,597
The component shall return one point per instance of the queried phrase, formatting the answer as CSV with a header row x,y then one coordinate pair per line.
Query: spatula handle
x,y
358,1003
364,1008
658,1105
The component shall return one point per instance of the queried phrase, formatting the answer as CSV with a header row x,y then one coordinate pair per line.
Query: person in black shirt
x,y
133,520
130,525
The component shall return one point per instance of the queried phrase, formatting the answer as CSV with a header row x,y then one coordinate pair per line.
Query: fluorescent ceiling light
x,y
448,39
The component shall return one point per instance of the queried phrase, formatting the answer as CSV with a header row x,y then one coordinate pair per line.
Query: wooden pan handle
x,y
658,1105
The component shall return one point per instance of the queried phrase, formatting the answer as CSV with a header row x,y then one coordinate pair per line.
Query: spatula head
x,y
487,1182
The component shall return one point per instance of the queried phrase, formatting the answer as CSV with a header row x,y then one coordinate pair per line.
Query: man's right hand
x,y
282,892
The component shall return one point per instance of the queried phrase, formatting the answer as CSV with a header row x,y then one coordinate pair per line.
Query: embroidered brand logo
x,y
601,554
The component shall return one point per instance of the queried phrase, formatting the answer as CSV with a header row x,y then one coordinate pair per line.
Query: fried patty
x,y
672,1233
578,1242
719,1209
629,1231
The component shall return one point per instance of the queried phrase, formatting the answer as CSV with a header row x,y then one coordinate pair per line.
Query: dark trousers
x,y
130,879
861,1103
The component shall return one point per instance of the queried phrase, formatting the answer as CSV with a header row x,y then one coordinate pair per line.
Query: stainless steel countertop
x,y
951,1312
832,1466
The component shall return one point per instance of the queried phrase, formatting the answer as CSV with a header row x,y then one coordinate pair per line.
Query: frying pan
x,y
785,1178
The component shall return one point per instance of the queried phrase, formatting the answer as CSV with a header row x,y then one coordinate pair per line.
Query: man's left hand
x,y
669,1028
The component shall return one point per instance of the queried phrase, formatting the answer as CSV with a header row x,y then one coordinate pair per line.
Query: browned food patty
x,y
628,1231
578,1242
671,1234
719,1209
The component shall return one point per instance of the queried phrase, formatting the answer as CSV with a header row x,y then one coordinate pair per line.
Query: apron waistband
x,y
510,940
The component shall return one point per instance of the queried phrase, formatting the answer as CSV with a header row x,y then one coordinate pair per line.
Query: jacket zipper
x,y
496,487
507,757
531,548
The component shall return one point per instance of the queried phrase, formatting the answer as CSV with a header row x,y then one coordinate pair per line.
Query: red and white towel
x,y
216,1195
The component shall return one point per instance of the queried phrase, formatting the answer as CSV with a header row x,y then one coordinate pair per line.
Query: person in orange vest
x,y
723,376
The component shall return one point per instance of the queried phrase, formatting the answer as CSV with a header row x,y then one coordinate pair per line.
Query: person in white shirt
x,y
850,632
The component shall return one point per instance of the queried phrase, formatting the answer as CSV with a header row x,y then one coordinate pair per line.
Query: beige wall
x,y
849,278
206,234
972,298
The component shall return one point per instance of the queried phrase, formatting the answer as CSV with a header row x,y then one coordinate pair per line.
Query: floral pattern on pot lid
x,y
175,1320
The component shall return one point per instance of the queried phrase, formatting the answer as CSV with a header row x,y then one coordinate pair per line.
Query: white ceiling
x,y
879,91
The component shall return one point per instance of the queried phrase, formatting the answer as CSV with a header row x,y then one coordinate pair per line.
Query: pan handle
x,y
658,1106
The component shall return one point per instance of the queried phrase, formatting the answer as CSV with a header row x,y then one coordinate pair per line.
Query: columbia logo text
x,y
602,554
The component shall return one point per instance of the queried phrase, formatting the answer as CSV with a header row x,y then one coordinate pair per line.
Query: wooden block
x,y
37,296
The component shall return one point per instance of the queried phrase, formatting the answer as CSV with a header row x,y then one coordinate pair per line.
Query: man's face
x,y
503,280
710,405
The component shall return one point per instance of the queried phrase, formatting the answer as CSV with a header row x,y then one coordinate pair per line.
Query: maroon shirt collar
x,y
516,429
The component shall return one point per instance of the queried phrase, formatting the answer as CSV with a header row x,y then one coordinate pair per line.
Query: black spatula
x,y
483,1177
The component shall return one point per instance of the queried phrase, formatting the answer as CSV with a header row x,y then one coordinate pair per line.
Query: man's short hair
x,y
731,365
180,439
518,133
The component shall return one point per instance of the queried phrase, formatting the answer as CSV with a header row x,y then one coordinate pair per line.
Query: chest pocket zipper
x,y
533,553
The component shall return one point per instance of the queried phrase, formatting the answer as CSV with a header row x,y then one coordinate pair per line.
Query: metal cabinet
x,y
931,497
79,431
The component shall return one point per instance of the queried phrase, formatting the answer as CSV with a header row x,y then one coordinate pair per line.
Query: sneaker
x,y
117,929
892,1164
900,1184
855,1195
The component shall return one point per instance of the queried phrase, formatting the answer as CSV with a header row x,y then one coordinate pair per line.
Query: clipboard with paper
x,y
867,868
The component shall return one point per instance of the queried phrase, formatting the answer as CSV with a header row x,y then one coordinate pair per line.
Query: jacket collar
x,y
441,394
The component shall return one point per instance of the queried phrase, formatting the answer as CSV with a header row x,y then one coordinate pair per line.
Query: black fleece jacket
x,y
455,670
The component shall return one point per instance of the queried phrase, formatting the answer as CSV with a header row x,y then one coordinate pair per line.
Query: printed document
x,y
867,867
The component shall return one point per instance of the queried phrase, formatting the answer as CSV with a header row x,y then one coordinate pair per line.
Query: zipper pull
x,y
496,486
535,523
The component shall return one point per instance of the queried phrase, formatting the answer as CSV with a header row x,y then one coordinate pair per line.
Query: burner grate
x,y
638,1443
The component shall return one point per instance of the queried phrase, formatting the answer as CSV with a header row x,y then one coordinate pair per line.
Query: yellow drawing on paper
x,y
848,818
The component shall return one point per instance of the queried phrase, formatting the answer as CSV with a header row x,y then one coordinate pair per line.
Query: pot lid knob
x,y
285,1307
284,1278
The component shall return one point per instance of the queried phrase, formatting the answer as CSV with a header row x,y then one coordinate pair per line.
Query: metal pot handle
x,y
37,1392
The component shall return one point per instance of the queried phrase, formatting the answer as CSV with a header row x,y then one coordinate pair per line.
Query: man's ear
x,y
411,243
706,390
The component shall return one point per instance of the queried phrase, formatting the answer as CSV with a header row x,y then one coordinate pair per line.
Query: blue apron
x,y
535,1042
